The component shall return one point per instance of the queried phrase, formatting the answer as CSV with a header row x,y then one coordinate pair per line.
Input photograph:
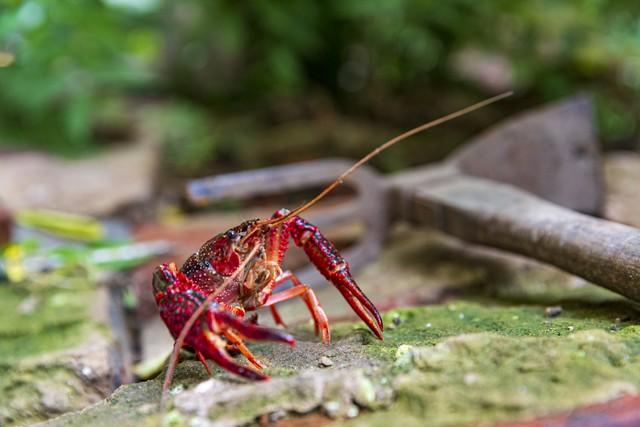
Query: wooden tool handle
x,y
501,216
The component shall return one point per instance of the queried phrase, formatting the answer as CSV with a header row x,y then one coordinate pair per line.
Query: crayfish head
x,y
225,252
244,236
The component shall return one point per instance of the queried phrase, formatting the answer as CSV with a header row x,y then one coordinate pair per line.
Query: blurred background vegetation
x,y
231,84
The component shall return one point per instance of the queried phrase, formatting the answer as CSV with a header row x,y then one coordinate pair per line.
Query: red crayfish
x,y
203,302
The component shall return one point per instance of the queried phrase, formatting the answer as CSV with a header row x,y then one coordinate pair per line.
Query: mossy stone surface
x,y
53,353
453,364
467,362
55,322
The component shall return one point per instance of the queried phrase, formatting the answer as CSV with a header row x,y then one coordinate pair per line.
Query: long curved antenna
x,y
381,148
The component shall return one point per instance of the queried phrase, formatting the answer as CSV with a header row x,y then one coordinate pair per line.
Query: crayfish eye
x,y
231,234
163,276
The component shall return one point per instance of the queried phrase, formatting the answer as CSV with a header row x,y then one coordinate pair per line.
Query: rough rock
x,y
471,360
116,179
298,387
58,356
334,393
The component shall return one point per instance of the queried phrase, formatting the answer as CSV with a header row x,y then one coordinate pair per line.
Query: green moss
x,y
57,320
127,406
34,324
487,377
429,325
465,362
471,361
20,347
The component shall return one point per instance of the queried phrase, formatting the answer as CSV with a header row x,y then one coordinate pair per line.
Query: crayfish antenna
x,y
381,148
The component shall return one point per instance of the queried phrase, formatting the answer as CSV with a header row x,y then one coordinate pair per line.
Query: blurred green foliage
x,y
386,61
190,138
72,60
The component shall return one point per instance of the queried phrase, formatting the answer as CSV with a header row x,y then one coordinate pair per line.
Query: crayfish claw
x,y
365,309
324,255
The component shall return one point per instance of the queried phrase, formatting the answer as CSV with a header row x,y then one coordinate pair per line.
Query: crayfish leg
x,y
202,360
215,350
320,320
238,344
276,316
235,330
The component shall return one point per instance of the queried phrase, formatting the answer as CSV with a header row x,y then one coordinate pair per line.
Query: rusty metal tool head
x,y
551,152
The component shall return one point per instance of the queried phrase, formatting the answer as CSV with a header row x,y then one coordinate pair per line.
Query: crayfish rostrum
x,y
203,302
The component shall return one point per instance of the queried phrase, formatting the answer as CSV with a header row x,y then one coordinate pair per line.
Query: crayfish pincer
x,y
203,302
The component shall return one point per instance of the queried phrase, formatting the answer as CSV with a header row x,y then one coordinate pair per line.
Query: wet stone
x,y
553,311
396,319
325,362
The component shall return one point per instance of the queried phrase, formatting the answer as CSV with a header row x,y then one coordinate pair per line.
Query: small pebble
x,y
204,387
87,372
553,311
277,415
325,362
471,378
570,328
176,390
28,305
353,411
396,319
331,408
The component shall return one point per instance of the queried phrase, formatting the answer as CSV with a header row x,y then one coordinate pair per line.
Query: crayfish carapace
x,y
203,302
